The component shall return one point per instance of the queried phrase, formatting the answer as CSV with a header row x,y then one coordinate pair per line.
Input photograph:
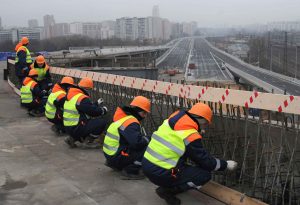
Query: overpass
x,y
264,142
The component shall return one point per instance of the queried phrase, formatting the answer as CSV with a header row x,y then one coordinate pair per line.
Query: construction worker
x,y
32,95
44,78
78,110
176,160
55,103
23,60
125,142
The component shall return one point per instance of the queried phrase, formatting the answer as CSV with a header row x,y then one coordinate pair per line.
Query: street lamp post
x,y
296,67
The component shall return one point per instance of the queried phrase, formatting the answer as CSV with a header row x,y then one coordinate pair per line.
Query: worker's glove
x,y
100,101
104,108
231,165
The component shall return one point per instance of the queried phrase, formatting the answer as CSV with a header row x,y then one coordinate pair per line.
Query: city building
x,y
107,30
1,23
48,25
15,35
155,11
33,23
61,29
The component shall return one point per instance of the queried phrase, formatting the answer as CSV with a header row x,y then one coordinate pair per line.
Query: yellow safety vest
x,y
112,138
41,72
167,146
26,93
50,108
71,114
28,56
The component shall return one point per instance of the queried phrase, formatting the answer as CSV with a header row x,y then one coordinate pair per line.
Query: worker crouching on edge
x,y
177,143
32,95
82,119
55,104
125,142
44,77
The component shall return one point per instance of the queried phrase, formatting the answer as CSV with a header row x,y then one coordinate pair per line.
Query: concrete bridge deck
x,y
36,167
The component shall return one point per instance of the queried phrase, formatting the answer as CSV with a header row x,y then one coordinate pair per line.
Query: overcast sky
x,y
205,12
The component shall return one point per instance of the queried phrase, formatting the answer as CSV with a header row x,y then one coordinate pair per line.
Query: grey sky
x,y
205,12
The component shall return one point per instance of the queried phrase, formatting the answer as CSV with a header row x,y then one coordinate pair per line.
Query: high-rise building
x,y
76,28
16,34
166,29
61,29
0,23
107,30
33,23
127,28
48,25
155,11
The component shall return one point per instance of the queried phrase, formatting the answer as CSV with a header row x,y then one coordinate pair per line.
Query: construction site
x,y
255,122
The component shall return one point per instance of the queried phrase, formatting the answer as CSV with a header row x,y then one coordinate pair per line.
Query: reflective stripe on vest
x,y
50,108
112,137
26,93
167,146
28,56
71,114
41,72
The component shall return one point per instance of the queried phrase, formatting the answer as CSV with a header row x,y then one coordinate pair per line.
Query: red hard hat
x,y
86,83
202,110
40,59
24,40
141,102
67,80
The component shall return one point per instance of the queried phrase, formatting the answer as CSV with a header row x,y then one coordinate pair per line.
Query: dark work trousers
x,y
44,85
34,105
188,177
58,121
130,161
93,126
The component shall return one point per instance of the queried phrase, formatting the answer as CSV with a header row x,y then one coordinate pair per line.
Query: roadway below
x,y
37,167
280,83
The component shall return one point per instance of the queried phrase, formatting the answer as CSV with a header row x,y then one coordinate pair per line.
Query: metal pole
x,y
271,59
296,62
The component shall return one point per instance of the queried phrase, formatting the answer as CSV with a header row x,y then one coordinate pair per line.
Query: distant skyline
x,y
213,13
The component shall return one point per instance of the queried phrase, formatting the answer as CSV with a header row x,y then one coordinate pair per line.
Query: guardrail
x,y
259,130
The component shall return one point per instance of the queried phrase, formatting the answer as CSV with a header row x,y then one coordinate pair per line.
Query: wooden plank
x,y
227,195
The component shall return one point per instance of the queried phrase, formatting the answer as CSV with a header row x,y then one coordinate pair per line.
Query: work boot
x,y
70,141
36,113
110,166
56,130
130,176
169,195
90,142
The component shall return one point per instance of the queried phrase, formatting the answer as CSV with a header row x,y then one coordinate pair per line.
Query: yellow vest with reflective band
x,y
41,72
50,108
71,114
26,93
167,146
28,56
112,137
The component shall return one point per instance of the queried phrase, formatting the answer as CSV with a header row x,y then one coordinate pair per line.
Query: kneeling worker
x,y
55,104
44,77
32,95
78,112
176,160
125,143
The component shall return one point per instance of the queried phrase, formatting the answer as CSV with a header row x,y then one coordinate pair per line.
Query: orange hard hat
x,y
67,80
202,110
40,59
24,40
86,83
33,72
141,102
